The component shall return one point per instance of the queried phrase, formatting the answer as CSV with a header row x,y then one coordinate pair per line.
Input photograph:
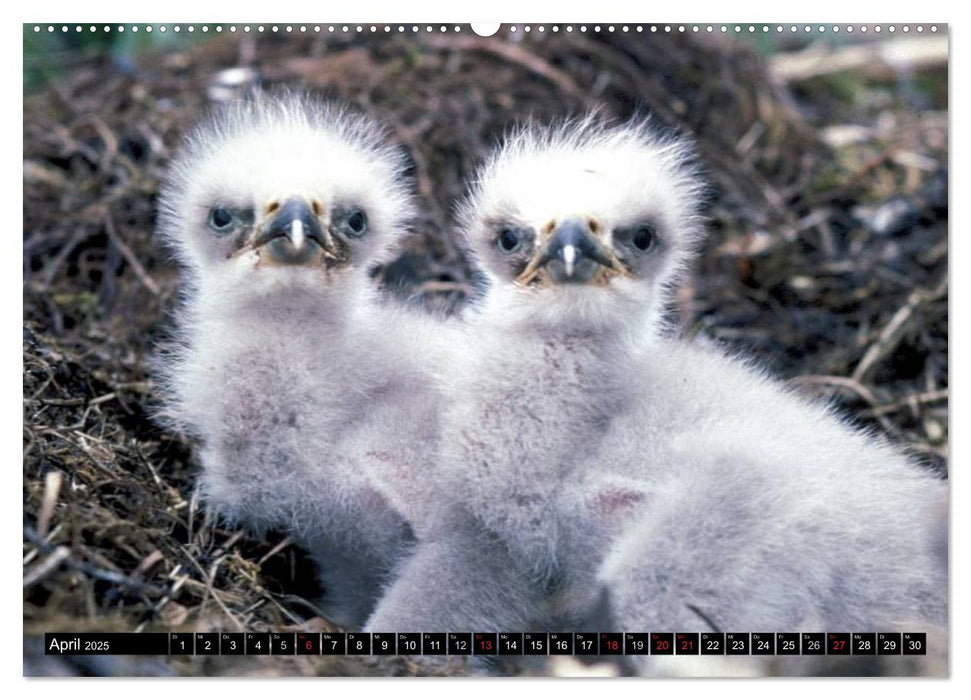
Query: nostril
x,y
272,207
571,232
317,207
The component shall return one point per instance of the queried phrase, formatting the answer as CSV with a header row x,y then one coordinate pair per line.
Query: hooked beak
x,y
572,254
294,236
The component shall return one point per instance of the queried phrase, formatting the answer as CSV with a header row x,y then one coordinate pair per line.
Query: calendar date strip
x,y
486,643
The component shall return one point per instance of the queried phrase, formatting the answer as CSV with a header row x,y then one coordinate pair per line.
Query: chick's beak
x,y
294,235
572,254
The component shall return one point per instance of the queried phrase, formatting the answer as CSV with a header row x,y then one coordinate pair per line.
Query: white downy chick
x,y
286,367
581,229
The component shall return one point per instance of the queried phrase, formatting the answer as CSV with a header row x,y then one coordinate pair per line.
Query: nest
x,y
827,259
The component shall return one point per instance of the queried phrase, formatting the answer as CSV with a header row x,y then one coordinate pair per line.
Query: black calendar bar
x,y
105,643
486,643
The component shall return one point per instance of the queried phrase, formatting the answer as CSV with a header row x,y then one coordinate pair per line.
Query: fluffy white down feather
x,y
290,376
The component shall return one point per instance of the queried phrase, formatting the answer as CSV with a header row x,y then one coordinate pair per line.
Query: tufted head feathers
x,y
572,219
280,190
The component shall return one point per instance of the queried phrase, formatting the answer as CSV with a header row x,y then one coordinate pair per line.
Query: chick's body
x,y
559,220
287,370
765,511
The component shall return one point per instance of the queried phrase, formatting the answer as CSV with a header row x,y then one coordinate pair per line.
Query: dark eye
x,y
643,238
356,223
509,240
220,219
